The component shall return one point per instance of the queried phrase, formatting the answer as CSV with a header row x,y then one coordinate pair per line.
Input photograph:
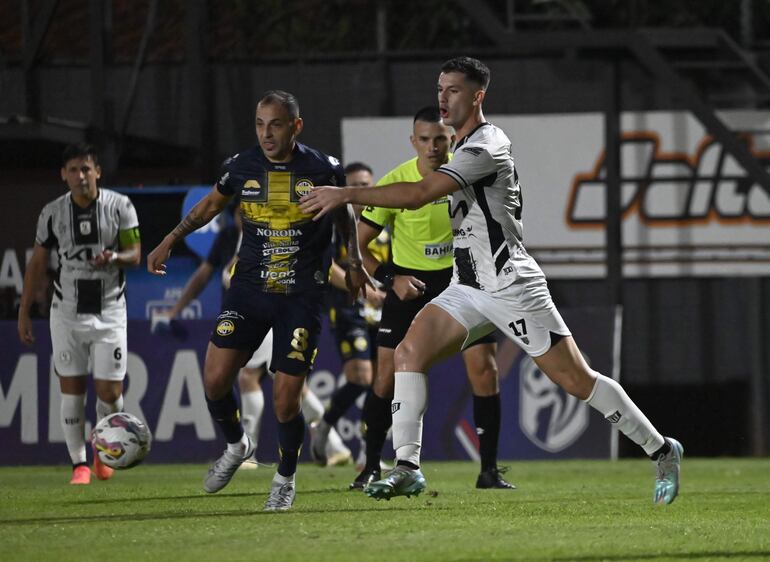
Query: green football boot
x,y
667,473
401,481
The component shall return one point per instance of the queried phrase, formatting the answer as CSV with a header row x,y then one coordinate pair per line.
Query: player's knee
x,y
578,382
109,394
406,357
286,408
216,384
248,379
484,380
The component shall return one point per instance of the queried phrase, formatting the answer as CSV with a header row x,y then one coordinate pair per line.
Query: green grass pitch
x,y
568,510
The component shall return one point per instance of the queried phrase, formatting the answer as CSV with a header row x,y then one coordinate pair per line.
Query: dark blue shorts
x,y
355,337
248,314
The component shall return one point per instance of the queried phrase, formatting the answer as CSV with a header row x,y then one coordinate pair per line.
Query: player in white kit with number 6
x,y
95,233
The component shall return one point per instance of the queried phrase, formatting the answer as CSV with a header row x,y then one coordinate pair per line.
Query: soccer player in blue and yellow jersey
x,y
278,282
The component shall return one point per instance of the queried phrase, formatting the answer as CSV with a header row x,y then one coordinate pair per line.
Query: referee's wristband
x,y
385,274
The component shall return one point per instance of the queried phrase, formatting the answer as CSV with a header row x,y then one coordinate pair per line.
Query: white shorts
x,y
263,354
523,311
88,343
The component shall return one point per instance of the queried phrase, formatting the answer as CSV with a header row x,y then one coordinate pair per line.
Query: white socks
x,y
104,409
252,405
73,423
614,404
312,408
241,447
283,479
410,400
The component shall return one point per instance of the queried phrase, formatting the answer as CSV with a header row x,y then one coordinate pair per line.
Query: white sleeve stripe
x,y
454,175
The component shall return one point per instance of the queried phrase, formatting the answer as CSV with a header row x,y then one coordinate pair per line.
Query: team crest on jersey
x,y
85,228
225,328
302,187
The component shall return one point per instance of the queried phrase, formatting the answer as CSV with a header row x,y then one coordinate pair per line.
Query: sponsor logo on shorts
x,y
225,328
394,407
65,357
360,344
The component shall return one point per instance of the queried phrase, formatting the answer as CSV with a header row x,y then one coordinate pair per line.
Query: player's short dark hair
x,y
428,114
79,150
287,100
354,167
473,69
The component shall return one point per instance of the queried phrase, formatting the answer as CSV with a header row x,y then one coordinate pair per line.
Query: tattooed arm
x,y
201,214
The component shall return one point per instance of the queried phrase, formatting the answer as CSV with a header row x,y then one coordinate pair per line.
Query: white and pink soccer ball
x,y
121,440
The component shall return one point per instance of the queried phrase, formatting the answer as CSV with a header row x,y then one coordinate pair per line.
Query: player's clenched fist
x,y
156,260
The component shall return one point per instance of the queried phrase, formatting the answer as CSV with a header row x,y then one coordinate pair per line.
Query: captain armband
x,y
129,237
385,274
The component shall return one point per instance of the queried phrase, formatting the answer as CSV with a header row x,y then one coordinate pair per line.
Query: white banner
x,y
688,207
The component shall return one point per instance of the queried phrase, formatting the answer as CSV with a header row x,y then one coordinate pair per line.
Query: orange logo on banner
x,y
710,195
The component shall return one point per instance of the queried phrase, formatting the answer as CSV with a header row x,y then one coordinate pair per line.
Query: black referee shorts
x,y
397,315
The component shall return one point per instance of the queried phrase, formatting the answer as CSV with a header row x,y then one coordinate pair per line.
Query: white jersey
x,y
486,213
78,235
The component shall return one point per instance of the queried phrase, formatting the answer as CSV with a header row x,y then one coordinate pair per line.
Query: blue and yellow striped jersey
x,y
283,250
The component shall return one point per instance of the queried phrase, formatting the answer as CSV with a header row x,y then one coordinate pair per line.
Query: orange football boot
x,y
81,474
102,471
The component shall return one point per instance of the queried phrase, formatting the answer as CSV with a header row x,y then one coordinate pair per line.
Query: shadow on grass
x,y
196,496
763,554
131,517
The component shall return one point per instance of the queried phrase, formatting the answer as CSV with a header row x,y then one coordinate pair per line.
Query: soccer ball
x,y
121,440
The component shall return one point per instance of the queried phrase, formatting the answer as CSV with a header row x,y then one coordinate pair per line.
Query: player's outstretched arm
x,y
33,277
201,214
404,195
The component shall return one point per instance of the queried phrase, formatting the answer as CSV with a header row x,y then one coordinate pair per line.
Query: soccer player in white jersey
x,y
496,283
95,233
